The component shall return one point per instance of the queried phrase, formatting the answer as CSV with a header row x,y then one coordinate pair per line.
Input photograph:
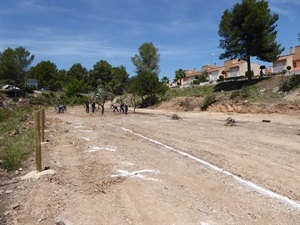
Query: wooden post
x,y
37,128
42,125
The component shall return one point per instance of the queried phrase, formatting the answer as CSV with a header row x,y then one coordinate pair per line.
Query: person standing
x,y
122,108
93,106
125,108
87,106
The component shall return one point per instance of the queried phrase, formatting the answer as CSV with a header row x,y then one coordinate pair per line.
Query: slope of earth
x,y
282,103
146,168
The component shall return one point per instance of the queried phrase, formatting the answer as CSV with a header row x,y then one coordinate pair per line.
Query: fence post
x,y
42,125
37,128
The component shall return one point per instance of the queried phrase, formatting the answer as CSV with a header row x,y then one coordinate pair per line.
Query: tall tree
x,y
60,80
147,60
77,71
146,83
14,64
247,30
101,78
119,80
74,87
44,72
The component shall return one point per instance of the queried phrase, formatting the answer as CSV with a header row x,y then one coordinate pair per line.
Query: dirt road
x,y
146,168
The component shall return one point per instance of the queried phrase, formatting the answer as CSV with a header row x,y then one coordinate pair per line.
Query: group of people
x,y
123,108
87,106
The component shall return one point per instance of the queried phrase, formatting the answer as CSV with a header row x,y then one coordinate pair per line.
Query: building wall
x,y
296,57
282,62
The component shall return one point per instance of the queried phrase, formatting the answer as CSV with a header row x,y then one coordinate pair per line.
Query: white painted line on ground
x,y
86,138
125,173
128,163
249,184
108,148
86,131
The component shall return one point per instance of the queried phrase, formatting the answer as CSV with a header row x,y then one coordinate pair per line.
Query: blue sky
x,y
185,32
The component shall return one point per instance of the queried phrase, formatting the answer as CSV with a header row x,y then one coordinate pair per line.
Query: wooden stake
x,y
37,128
42,125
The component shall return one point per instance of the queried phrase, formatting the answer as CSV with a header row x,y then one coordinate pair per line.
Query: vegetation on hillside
x,y
16,136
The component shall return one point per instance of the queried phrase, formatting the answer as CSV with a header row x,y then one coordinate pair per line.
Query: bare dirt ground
x,y
147,168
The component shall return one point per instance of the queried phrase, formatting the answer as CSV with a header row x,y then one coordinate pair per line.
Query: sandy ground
x,y
147,168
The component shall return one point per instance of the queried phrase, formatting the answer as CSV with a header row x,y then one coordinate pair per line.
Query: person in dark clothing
x,y
122,108
125,108
93,106
87,107
115,108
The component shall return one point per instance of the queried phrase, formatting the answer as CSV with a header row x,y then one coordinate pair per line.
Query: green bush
x,y
251,74
249,91
12,156
221,78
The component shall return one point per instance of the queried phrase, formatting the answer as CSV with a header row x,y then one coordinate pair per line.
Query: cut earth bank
x,y
146,168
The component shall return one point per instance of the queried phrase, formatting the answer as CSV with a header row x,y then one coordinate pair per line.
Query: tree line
x,y
103,79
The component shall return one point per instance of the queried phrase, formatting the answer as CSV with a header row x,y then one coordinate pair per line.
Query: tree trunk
x,y
102,108
249,68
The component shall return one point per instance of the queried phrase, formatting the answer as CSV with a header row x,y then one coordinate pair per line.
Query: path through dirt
x,y
147,168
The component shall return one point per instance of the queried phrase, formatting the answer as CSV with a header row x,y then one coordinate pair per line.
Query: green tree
x,y
45,73
146,82
147,59
165,80
299,37
74,87
60,80
14,64
179,75
248,30
77,71
101,82
101,75
120,79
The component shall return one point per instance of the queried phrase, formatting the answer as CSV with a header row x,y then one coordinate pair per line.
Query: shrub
x,y
249,91
11,157
251,74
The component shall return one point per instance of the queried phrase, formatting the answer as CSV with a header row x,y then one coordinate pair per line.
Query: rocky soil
x,y
152,167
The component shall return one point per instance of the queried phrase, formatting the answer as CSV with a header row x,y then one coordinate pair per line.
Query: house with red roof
x,y
236,68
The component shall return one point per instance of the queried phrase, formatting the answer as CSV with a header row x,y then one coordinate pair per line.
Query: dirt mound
x,y
254,108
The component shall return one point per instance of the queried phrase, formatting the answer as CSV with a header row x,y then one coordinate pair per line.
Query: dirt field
x,y
147,168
